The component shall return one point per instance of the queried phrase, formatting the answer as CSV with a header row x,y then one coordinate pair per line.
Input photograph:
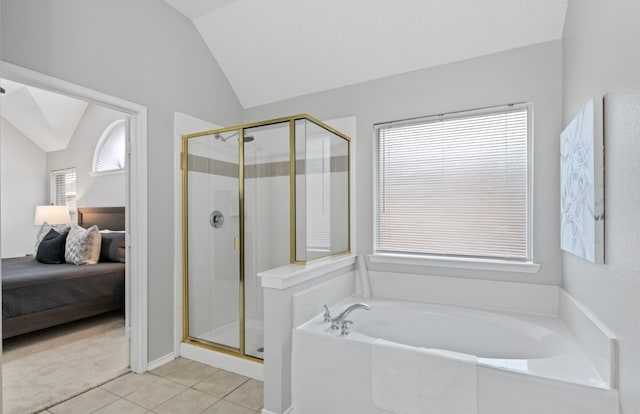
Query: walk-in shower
x,y
256,197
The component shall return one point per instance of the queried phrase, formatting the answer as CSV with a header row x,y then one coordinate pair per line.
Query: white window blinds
x,y
455,185
63,188
318,203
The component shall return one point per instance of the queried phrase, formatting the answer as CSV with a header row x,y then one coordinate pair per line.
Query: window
x,y
63,188
455,185
110,151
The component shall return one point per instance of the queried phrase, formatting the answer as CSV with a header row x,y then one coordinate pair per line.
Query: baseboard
x,y
234,364
161,361
288,411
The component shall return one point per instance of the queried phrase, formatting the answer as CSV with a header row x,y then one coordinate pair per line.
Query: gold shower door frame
x,y
292,237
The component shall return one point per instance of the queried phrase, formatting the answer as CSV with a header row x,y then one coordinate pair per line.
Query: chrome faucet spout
x,y
338,321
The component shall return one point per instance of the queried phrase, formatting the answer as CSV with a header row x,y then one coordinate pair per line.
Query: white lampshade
x,y
52,215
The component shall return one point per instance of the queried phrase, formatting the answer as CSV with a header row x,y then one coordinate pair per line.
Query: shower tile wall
x,y
266,237
214,266
213,302
206,165
267,224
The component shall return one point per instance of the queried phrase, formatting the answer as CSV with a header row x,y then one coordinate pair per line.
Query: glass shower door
x,y
267,219
212,240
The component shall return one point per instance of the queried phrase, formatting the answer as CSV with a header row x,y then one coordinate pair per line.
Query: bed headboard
x,y
106,218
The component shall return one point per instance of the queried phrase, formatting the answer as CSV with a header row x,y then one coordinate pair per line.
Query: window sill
x,y
457,263
104,173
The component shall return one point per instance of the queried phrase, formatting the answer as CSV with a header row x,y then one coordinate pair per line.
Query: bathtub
x,y
527,364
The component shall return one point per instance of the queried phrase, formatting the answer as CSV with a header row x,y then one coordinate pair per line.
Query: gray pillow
x,y
51,248
112,249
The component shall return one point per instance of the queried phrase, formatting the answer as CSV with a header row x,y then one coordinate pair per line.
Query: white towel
x,y
409,380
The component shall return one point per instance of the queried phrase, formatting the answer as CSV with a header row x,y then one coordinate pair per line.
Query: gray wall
x,y
532,74
24,186
145,52
100,190
601,57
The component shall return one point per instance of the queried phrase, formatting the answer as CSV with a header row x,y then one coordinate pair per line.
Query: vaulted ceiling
x,y
278,49
48,119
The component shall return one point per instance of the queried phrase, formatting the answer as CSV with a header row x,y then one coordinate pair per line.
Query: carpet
x,y
53,365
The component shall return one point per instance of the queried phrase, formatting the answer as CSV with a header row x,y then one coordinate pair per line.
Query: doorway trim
x,y
135,205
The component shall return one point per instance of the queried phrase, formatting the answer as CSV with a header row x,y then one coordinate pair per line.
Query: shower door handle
x,y
236,243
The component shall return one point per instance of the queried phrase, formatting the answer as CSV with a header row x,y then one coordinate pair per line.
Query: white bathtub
x,y
527,364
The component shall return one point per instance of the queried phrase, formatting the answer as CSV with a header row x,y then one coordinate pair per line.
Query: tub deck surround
x,y
284,277
559,365
296,293
476,293
528,344
534,356
597,341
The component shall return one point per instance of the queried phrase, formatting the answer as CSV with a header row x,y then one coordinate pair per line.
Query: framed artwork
x,y
582,184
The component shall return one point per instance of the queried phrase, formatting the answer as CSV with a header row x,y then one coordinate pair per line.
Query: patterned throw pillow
x,y
83,245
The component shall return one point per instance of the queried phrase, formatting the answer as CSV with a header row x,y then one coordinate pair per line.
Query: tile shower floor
x,y
181,386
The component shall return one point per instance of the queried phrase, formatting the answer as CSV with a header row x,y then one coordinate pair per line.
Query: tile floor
x,y
181,386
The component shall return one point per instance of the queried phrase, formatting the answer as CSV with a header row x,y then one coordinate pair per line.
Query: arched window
x,y
110,151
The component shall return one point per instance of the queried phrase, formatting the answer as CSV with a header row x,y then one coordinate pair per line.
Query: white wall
x,y
600,59
24,186
91,191
145,52
531,74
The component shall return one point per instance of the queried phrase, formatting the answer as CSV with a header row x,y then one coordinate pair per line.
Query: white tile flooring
x,y
181,386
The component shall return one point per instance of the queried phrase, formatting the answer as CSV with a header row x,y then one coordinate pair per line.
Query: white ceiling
x,y
278,49
46,118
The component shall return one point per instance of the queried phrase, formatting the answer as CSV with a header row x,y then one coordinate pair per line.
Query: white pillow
x,y
83,245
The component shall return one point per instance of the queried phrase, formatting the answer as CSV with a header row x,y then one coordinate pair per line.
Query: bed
x,y
37,295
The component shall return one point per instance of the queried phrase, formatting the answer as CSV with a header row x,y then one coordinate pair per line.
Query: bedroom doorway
x,y
134,201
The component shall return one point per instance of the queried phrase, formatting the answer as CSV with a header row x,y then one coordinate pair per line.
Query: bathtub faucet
x,y
339,321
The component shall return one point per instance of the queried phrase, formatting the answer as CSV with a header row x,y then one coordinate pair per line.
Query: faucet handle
x,y
327,314
344,329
